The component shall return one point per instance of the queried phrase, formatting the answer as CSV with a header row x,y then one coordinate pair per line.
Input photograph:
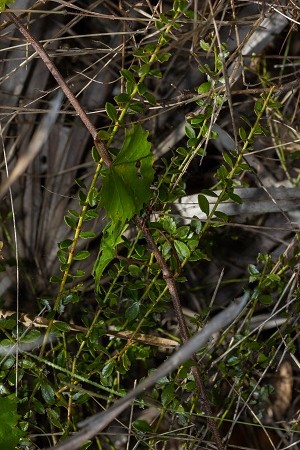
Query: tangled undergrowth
x,y
150,176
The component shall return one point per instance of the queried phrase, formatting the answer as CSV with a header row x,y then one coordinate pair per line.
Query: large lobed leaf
x,y
125,189
126,184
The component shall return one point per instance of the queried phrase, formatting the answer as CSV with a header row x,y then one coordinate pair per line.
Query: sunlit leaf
x,y
182,250
126,184
112,236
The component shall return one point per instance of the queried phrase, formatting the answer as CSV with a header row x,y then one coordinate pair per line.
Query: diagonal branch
x,y
171,284
62,83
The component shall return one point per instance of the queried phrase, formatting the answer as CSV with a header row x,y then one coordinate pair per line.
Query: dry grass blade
x,y
38,140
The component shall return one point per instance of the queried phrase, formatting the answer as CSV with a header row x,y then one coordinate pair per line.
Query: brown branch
x,y
171,284
61,82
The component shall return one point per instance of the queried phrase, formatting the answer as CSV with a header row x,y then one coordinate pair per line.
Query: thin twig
x,y
169,278
60,80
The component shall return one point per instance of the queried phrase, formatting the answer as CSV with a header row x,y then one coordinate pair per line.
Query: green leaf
x,y
242,133
253,270
203,204
61,326
48,393
142,425
132,312
141,88
31,336
90,214
233,361
168,224
54,417
93,197
167,394
204,45
227,158
86,445
55,279
182,232
163,57
189,131
150,98
258,106
104,135
38,406
95,155
126,183
204,87
221,215
155,73
126,363
134,270
73,213
3,3
71,297
82,254
130,87
87,234
144,69
111,111
108,369
128,75
236,198
122,98
9,433
182,250
112,236
192,142
222,172
62,256
82,197
196,225
70,222
136,107
80,183
64,245
265,299
209,193
197,255
78,274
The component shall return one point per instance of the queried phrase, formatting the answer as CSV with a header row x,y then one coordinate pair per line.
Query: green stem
x,y
237,163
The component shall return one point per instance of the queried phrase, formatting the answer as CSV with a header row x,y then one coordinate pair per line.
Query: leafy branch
x,y
136,277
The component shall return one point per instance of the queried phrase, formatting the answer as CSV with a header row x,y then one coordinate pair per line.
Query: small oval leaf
x,y
82,254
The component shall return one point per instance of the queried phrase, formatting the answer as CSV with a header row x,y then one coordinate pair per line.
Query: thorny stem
x,y
167,274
